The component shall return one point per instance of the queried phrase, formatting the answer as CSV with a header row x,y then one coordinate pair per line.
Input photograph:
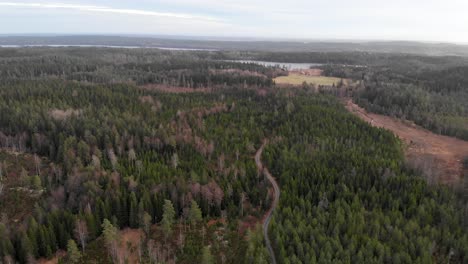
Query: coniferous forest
x,y
147,156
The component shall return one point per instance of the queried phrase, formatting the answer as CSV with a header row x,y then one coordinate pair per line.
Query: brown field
x,y
439,157
295,78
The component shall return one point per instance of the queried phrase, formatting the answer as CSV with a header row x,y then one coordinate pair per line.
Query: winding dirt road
x,y
276,193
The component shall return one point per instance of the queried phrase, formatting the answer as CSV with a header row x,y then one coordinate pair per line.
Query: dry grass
x,y
130,240
61,115
299,79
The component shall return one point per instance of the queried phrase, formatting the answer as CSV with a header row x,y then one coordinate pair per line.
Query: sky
x,y
421,20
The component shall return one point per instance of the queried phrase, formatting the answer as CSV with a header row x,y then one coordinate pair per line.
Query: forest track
x,y
276,193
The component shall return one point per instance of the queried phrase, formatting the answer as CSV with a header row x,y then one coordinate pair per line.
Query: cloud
x,y
104,9
316,19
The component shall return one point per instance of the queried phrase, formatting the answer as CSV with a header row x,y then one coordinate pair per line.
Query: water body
x,y
284,65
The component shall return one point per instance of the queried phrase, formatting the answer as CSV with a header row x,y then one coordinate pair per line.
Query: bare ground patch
x,y
55,259
59,114
440,157
18,197
130,240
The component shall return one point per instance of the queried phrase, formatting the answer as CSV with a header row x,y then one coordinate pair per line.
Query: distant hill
x,y
436,49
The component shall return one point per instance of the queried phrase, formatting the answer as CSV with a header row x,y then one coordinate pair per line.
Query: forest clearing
x,y
295,78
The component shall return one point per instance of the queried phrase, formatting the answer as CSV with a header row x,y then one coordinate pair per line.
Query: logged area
x,y
439,156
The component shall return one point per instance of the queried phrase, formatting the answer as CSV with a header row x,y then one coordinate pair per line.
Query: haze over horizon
x,y
298,19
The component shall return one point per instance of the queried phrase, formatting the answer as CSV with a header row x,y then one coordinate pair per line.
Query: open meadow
x,y
298,79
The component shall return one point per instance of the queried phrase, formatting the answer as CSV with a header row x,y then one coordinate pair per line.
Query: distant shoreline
x,y
101,46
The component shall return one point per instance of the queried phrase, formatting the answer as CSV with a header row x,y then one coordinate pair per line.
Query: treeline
x,y
140,66
443,114
433,99
431,91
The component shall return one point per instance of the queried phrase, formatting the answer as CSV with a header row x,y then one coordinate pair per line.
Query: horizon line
x,y
234,39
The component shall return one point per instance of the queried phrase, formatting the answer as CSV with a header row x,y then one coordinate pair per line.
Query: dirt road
x,y
276,193
440,156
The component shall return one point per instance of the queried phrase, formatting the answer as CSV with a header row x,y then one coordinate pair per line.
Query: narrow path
x,y
276,190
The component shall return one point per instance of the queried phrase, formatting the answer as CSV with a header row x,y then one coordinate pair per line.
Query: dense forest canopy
x,y
97,140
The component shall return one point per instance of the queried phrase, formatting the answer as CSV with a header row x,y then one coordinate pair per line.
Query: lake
x,y
284,65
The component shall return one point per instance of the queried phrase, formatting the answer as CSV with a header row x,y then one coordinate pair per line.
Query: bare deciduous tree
x,y
37,163
139,166
81,233
152,251
132,155
112,158
210,149
175,160
96,162
221,160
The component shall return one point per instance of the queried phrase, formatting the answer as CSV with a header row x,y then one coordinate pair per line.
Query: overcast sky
x,y
426,20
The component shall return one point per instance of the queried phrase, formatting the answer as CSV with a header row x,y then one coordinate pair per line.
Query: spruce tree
x,y
168,218
195,213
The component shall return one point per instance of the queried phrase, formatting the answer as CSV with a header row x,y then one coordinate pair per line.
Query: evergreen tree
x,y
111,238
73,254
195,213
207,257
168,218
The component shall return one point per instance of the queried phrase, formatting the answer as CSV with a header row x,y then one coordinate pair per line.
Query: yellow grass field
x,y
298,79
